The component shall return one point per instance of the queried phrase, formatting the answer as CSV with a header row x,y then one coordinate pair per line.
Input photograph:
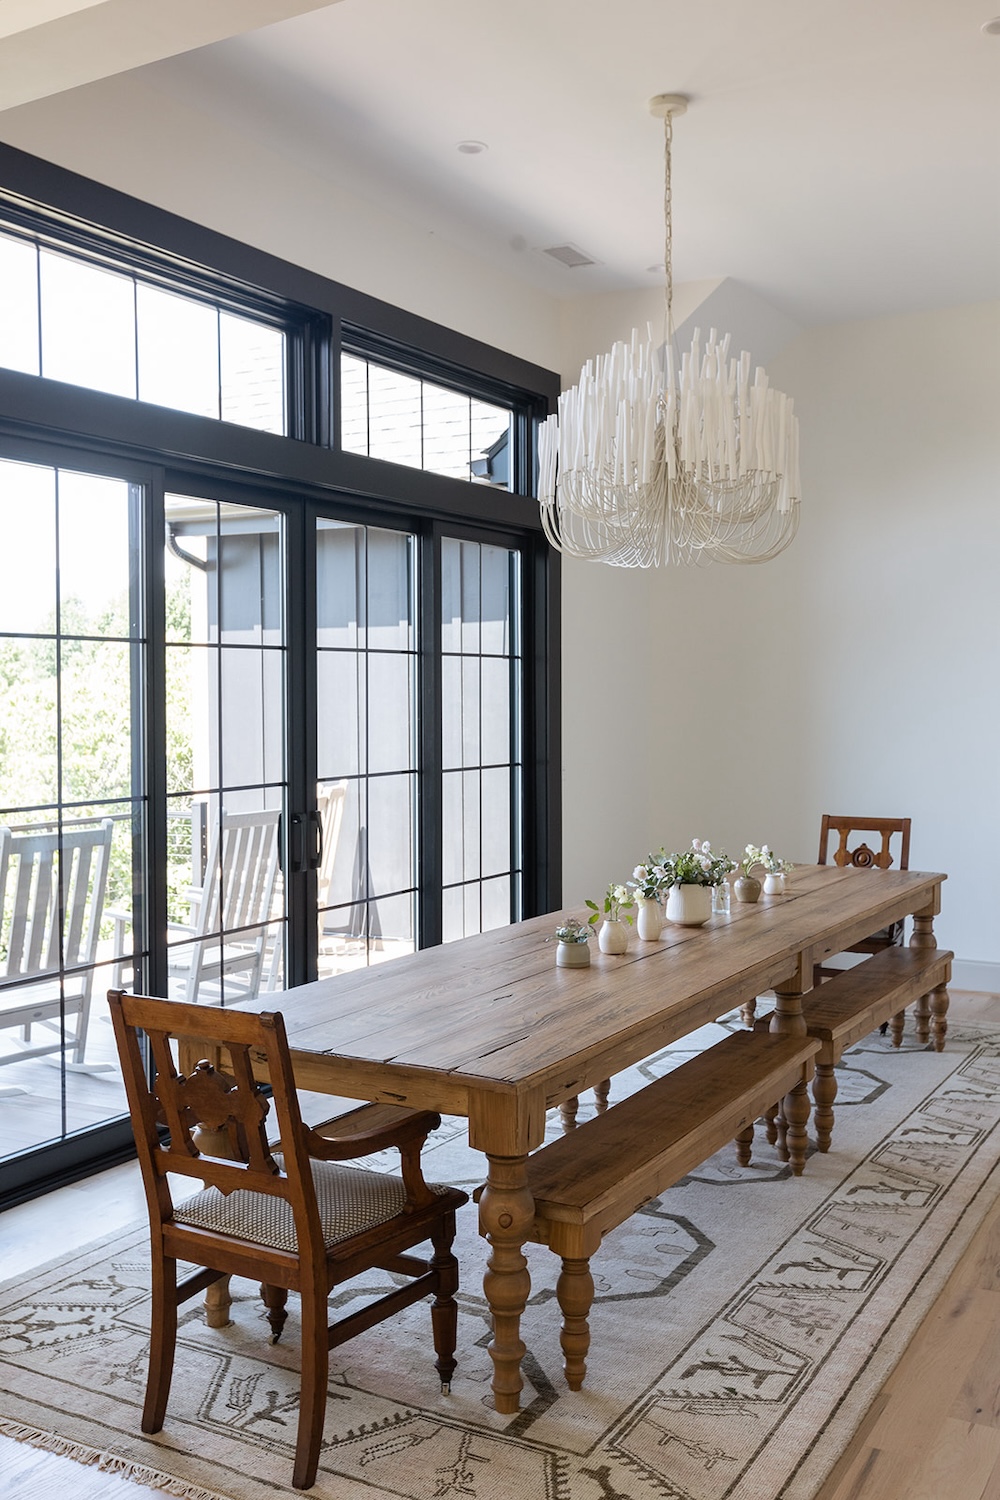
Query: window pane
x,y
490,442
88,325
252,717
340,691
390,590
353,404
495,565
94,556
394,417
249,572
191,568
18,305
96,690
386,853
391,730
446,432
340,565
253,373
496,723
28,528
178,351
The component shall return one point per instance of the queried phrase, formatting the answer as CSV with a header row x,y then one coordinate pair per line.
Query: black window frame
x,y
308,473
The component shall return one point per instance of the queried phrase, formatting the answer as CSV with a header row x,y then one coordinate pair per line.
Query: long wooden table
x,y
489,1028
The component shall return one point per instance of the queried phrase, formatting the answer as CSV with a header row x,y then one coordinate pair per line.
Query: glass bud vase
x,y
613,936
649,919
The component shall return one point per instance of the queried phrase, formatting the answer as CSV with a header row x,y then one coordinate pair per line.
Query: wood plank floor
x,y
933,1432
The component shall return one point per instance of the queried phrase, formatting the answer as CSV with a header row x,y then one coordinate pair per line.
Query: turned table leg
x,y
789,1020
568,1111
506,1214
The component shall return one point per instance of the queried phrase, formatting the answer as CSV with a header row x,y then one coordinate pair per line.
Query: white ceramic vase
x,y
689,905
774,883
613,937
649,919
572,955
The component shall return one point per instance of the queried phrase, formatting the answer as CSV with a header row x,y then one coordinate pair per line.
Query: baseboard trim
x,y
975,974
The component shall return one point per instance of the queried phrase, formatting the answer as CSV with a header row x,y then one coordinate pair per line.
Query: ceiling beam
x,y
48,46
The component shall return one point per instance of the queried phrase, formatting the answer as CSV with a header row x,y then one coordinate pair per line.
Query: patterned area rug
x,y
742,1326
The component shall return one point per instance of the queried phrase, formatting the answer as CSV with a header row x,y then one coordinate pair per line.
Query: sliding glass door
x,y
73,797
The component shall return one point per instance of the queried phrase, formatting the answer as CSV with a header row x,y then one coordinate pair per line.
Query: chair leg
x,y
575,1291
315,1378
744,1145
162,1341
275,1299
824,1093
444,1309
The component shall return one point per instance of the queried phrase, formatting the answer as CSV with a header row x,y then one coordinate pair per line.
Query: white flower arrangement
x,y
652,878
772,863
699,865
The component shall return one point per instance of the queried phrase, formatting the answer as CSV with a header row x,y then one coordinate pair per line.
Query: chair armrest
x,y
373,1127
404,1129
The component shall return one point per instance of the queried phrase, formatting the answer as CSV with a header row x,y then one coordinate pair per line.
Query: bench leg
x,y
922,1019
602,1093
897,1023
744,1145
771,1124
824,1093
567,1112
939,1015
796,1113
575,1291
748,1011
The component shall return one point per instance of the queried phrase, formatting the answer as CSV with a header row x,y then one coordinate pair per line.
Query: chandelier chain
x,y
668,223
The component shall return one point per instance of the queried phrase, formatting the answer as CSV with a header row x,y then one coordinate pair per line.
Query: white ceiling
x,y
840,158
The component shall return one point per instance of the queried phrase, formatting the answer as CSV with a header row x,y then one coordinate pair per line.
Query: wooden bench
x,y
593,1179
849,1007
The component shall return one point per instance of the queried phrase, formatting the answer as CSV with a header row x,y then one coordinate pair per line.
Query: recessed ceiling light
x,y
472,148
991,28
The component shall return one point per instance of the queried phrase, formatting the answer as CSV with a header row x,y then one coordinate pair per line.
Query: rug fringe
x,y
110,1463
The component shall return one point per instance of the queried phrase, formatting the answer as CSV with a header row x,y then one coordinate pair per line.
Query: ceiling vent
x,y
570,256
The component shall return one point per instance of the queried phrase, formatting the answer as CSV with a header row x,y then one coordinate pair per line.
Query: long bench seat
x,y
841,1011
593,1179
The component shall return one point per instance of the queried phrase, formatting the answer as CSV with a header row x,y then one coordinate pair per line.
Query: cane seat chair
x,y
292,1217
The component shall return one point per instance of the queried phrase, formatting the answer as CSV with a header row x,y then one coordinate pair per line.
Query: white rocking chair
x,y
52,887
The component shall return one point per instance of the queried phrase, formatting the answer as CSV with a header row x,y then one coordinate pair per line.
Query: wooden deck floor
x,y
933,1433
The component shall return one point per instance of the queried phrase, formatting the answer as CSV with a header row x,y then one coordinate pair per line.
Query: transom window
x,y
406,420
68,319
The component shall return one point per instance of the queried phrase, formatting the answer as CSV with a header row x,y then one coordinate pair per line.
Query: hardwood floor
x,y
933,1432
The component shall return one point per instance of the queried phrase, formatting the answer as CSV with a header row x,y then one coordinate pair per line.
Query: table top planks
x,y
493,1013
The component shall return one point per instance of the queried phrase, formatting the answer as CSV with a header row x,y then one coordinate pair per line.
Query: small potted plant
x,y
618,902
746,886
649,882
572,944
692,877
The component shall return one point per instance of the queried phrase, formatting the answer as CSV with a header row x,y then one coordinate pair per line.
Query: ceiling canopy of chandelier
x,y
651,459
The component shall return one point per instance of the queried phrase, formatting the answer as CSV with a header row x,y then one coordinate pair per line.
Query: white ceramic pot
x,y
572,955
774,884
613,937
649,919
689,905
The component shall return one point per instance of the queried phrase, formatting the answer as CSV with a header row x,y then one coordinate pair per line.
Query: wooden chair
x,y
52,888
293,1220
862,857
236,901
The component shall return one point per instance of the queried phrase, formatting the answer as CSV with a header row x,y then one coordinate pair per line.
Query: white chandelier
x,y
648,461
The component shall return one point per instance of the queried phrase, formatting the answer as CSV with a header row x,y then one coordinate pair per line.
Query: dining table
x,y
491,1029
